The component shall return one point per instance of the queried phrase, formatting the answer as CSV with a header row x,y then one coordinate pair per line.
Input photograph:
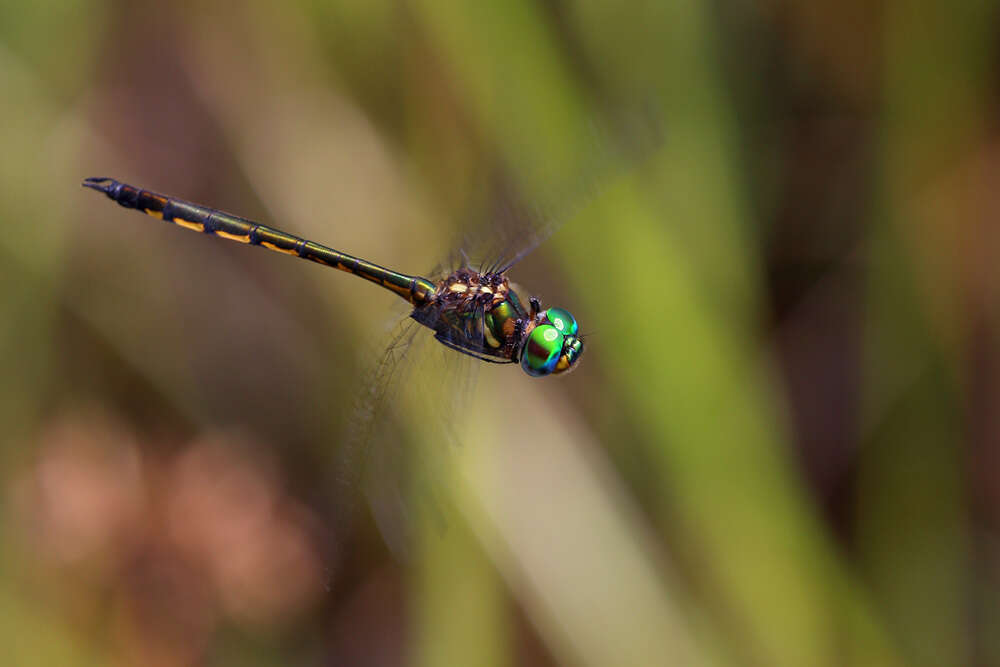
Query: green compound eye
x,y
572,349
542,350
562,320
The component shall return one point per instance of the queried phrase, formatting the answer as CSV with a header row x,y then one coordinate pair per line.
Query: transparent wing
x,y
404,427
516,223
386,364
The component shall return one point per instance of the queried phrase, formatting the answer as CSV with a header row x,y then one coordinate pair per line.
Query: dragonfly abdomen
x,y
212,221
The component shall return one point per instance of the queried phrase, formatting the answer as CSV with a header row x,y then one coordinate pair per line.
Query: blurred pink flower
x,y
85,493
226,507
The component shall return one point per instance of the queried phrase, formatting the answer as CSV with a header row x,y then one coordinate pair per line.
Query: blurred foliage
x,y
779,449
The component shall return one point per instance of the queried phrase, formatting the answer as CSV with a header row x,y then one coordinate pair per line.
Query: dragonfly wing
x,y
361,450
516,223
404,427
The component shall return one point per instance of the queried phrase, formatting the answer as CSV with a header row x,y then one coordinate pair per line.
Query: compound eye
x,y
561,320
542,350
572,349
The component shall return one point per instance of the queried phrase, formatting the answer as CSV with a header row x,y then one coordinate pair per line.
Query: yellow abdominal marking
x,y
196,226
402,291
271,246
245,238
155,214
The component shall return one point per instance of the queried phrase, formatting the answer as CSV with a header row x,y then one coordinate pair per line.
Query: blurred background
x,y
780,447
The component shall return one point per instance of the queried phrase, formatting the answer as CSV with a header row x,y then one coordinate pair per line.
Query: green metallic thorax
x,y
501,322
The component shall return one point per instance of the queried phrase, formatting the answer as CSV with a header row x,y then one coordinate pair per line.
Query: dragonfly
x,y
476,312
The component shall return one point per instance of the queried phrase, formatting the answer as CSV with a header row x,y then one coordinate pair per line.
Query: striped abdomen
x,y
414,289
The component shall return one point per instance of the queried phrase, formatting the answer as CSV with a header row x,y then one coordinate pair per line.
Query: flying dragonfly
x,y
472,311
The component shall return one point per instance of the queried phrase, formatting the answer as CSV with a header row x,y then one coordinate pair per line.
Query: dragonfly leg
x,y
515,339
536,307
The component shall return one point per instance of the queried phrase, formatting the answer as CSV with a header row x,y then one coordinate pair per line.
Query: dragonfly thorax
x,y
466,291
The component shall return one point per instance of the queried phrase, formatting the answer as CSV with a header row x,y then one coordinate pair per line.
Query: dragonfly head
x,y
552,346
